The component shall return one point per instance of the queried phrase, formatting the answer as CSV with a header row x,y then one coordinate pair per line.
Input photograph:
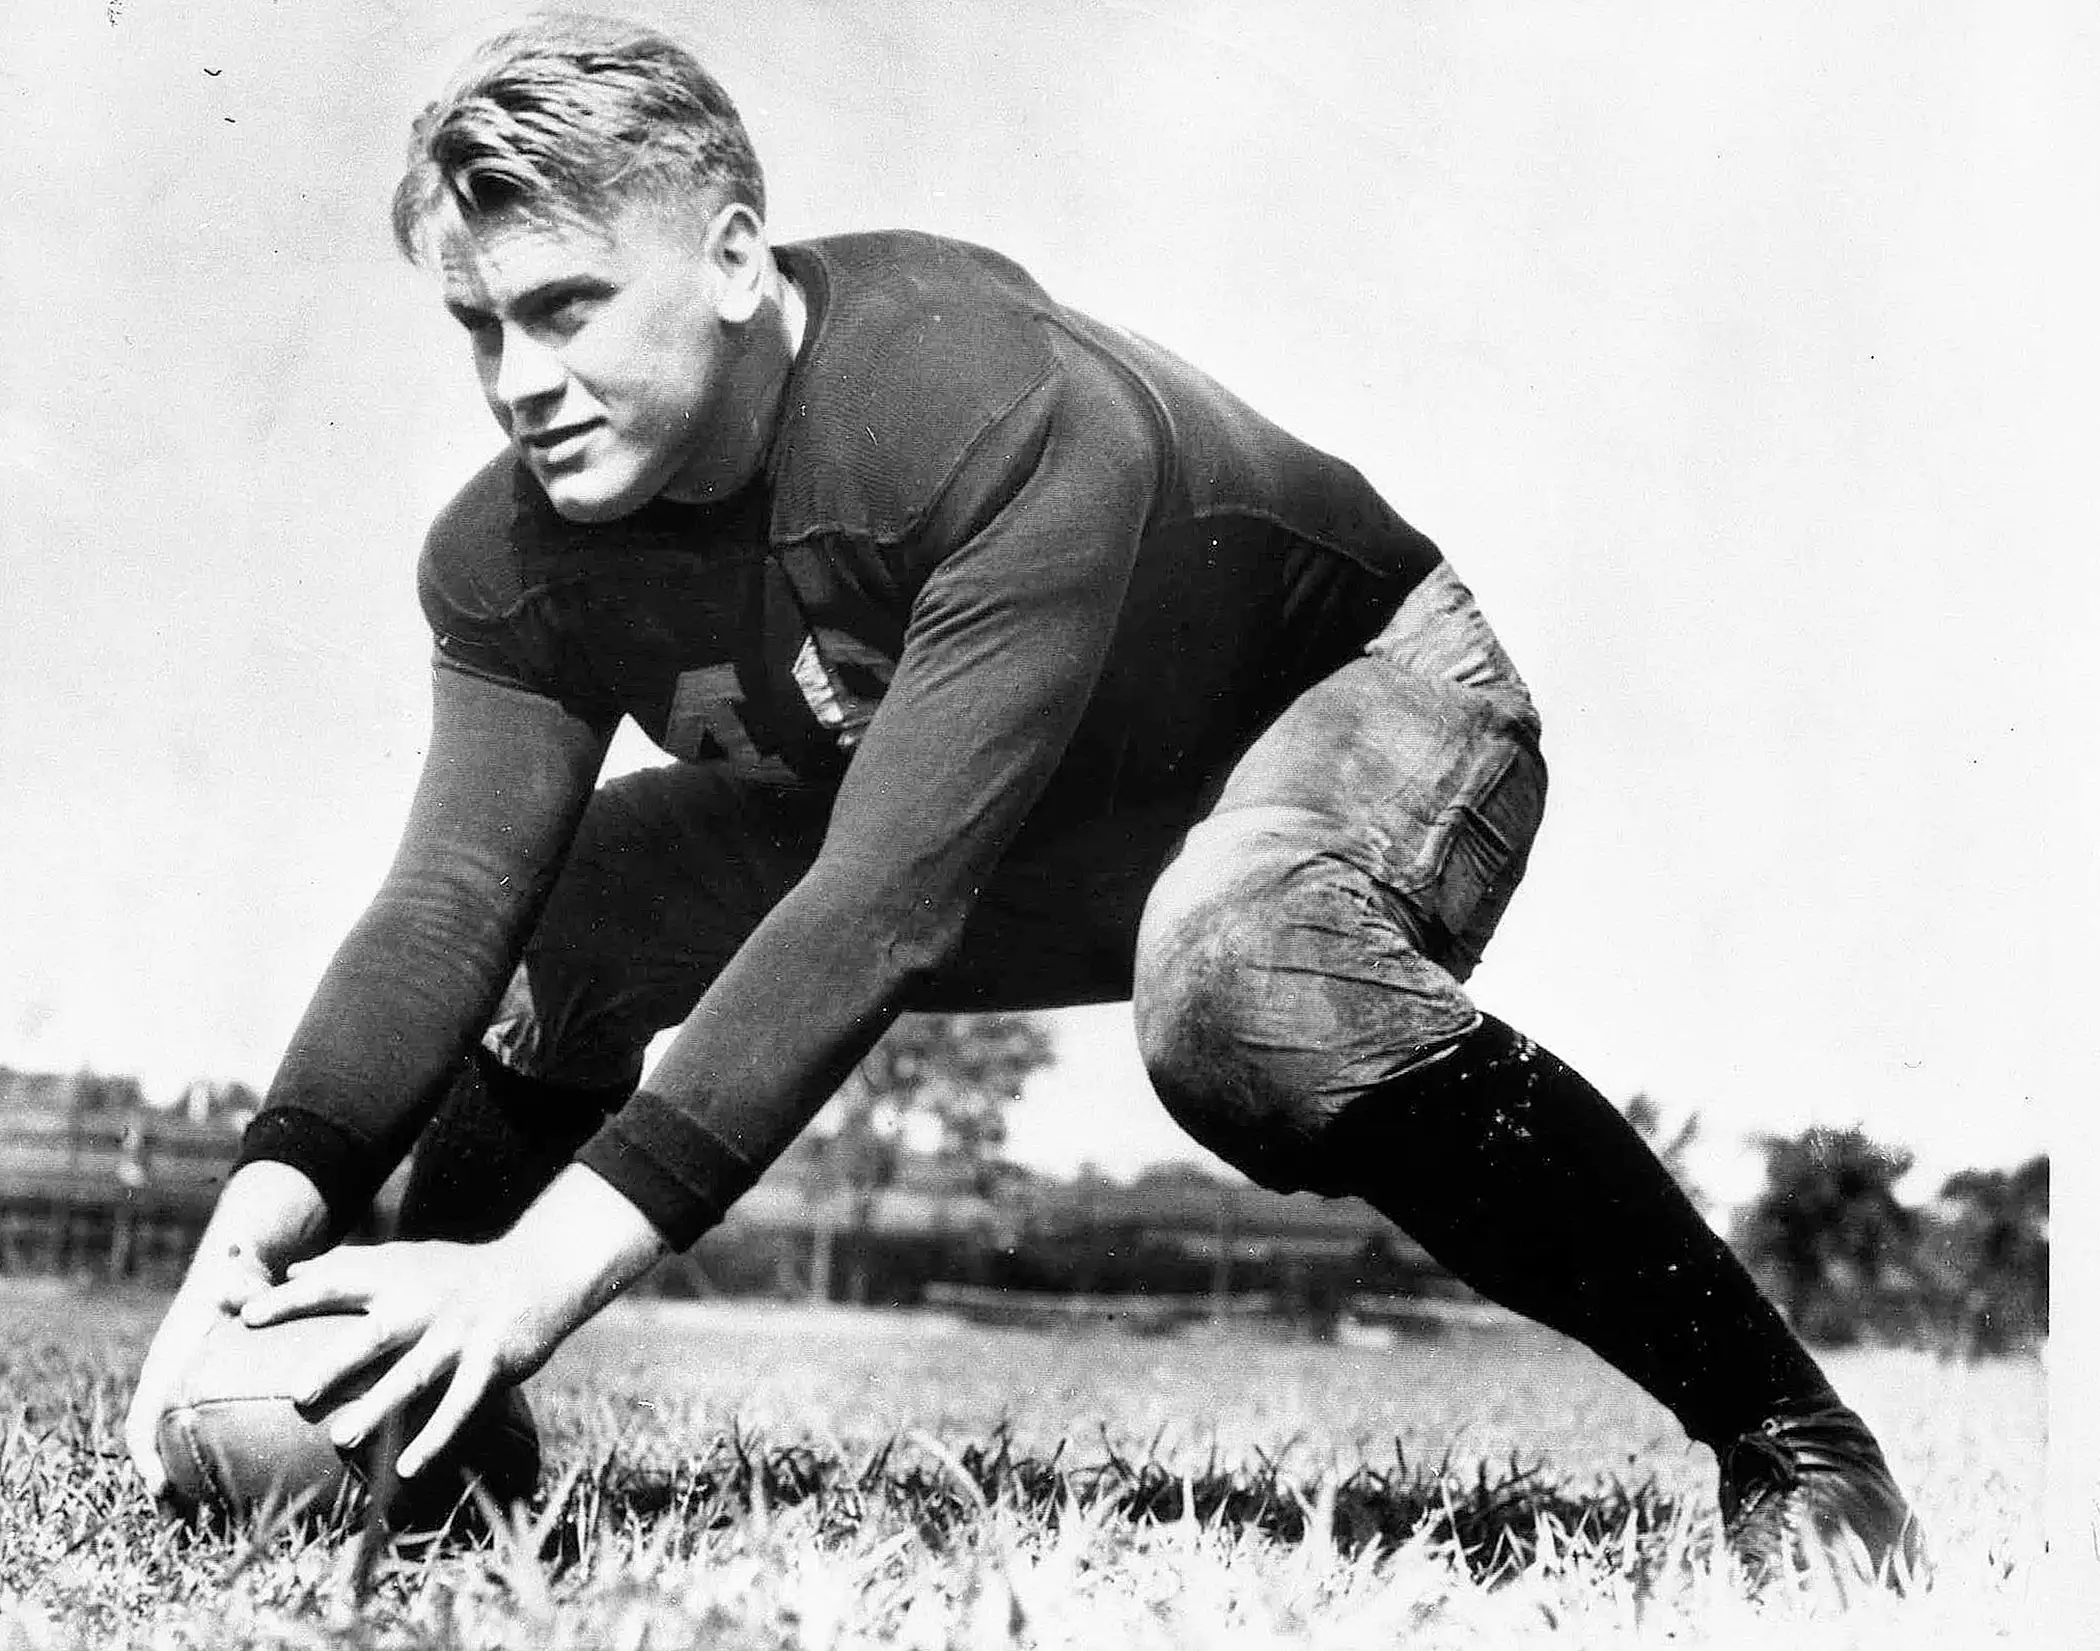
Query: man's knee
x,y
1276,982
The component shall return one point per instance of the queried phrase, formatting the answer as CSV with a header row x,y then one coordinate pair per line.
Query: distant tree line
x,y
1849,1260
87,1095
904,1182
1832,1240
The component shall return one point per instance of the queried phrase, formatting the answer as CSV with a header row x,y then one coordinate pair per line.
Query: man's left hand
x,y
470,1316
461,1316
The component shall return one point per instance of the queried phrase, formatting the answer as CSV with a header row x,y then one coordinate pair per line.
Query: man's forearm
x,y
505,781
404,997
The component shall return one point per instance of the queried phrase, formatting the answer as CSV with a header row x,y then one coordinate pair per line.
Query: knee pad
x,y
1276,982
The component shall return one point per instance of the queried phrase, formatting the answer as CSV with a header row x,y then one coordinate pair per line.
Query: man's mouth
x,y
559,442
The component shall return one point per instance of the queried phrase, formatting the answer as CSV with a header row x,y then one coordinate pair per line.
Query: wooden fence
x,y
123,1195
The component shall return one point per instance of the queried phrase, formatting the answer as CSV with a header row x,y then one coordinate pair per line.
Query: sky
x,y
1739,356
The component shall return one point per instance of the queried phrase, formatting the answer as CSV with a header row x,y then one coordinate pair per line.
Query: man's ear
x,y
737,249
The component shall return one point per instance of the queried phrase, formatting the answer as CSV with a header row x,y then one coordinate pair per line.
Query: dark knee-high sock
x,y
496,1141
1515,1174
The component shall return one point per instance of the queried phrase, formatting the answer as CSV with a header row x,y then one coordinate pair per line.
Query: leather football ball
x,y
234,1441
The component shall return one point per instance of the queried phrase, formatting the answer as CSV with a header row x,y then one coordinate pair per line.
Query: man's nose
x,y
528,370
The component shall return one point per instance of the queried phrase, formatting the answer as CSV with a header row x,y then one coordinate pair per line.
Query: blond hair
x,y
569,117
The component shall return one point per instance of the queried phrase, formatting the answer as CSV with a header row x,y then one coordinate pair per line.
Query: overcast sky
x,y
1738,355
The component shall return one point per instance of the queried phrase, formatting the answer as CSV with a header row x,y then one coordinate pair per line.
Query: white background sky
x,y
1739,355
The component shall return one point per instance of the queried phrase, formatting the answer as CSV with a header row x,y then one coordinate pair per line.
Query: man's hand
x,y
455,1316
469,1317
268,1216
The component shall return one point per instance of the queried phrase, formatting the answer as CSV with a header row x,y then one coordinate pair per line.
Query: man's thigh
x,y
1404,791
1420,763
1429,791
1362,852
1311,939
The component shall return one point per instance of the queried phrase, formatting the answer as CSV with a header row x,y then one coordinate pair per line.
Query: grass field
x,y
752,1476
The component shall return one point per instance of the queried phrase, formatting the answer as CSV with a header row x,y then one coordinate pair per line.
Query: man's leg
x,y
1508,1166
672,867
1300,1007
1291,1017
496,1140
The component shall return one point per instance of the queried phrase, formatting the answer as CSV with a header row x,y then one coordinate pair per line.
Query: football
x,y
233,1440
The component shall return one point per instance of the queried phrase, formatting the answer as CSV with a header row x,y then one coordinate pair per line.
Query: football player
x,y
1008,661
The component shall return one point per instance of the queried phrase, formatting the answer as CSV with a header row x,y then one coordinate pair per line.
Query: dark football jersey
x,y
1006,569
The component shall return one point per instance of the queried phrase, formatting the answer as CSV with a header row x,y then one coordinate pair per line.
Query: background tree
x,y
1829,1232
1670,1144
1993,1249
935,1088
102,1095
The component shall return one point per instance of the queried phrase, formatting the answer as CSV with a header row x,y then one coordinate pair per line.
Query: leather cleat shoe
x,y
1810,1491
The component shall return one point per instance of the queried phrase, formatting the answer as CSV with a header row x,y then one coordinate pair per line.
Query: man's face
x,y
602,353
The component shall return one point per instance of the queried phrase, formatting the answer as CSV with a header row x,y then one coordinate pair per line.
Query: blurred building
x,y
95,1182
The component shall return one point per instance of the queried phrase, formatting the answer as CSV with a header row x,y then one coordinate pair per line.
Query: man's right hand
x,y
268,1217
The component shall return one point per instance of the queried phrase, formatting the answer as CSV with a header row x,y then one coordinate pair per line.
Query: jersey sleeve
x,y
1007,639
472,586
503,786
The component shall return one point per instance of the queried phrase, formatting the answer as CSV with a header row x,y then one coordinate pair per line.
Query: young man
x,y
1009,662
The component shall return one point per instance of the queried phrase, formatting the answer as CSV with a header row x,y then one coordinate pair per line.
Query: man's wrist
x,y
270,1211
584,1241
635,1152
339,1164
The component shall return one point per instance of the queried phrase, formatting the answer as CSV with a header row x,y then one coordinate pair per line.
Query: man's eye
x,y
566,315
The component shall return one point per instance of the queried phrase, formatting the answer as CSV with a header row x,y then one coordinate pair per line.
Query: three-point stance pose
x,y
1008,661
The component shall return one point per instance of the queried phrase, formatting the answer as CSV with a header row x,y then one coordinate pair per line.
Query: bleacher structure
x,y
120,1194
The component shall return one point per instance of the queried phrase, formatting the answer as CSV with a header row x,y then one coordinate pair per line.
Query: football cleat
x,y
1810,1491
